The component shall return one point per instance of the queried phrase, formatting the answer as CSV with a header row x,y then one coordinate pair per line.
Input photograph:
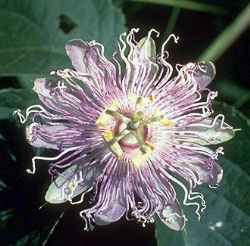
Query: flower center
x,y
128,133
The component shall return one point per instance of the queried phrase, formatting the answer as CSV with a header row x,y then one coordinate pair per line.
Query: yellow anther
x,y
108,136
166,122
155,119
150,145
152,98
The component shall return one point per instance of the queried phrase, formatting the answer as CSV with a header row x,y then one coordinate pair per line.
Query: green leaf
x,y
6,112
34,239
237,150
2,186
232,91
12,99
27,81
32,40
186,4
5,215
226,220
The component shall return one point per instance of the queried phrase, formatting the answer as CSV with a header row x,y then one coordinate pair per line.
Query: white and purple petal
x,y
172,216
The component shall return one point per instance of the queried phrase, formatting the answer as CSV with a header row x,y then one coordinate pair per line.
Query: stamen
x,y
117,115
124,133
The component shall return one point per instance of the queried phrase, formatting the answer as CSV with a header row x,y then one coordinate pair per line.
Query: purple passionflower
x,y
127,129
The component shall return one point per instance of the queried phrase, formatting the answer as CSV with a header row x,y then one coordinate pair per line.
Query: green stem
x,y
171,23
186,4
228,37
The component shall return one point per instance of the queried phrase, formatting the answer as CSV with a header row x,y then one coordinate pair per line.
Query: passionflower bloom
x,y
127,130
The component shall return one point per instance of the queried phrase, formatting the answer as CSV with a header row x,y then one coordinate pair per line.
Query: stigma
x,y
128,131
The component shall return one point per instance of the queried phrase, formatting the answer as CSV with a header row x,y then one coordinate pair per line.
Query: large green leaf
x,y
11,99
233,92
32,42
226,221
32,39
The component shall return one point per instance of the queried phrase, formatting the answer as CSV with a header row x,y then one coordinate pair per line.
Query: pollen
x,y
108,135
152,98
167,123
